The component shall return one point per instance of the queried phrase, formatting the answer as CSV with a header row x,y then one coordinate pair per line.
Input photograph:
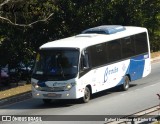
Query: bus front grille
x,y
53,89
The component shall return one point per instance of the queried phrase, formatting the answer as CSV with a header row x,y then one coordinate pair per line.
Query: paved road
x,y
140,96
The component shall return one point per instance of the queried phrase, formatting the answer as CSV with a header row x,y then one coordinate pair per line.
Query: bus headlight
x,y
35,85
70,85
38,87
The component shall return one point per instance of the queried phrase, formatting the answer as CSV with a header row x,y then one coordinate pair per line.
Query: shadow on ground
x,y
38,104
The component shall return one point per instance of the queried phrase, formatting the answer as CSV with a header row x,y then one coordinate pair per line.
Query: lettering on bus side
x,y
109,72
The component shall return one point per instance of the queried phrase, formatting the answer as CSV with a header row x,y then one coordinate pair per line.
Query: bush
x,y
155,43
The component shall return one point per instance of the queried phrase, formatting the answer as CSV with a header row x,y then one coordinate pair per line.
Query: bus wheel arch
x,y
87,94
129,77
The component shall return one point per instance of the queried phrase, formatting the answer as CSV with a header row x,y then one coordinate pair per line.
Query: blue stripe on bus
x,y
135,68
140,57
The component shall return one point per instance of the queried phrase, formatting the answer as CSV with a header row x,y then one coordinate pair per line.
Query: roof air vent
x,y
104,29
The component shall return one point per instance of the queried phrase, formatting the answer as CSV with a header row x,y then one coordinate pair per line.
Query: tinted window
x,y
114,50
56,64
85,60
98,55
128,48
96,32
141,43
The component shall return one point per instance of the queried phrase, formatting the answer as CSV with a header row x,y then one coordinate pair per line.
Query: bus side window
x,y
114,50
84,61
128,47
141,43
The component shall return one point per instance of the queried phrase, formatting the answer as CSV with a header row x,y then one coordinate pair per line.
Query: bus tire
x,y
47,101
125,85
87,95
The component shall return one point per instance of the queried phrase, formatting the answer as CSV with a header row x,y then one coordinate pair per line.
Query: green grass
x,y
15,91
158,122
155,54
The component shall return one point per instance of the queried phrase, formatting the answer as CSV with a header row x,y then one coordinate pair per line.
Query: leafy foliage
x,y
25,25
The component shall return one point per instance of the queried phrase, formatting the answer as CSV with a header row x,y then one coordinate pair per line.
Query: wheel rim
x,y
126,83
86,95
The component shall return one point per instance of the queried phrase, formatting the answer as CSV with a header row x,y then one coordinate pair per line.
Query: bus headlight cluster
x,y
35,85
69,86
73,83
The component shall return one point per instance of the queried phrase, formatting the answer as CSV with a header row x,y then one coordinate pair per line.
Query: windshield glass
x,y
56,64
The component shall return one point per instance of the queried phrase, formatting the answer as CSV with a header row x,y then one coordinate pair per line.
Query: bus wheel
x,y
87,95
125,85
47,101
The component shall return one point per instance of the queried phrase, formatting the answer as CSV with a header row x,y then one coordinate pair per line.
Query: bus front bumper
x,y
54,95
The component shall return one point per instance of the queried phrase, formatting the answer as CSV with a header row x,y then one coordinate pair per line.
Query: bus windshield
x,y
56,64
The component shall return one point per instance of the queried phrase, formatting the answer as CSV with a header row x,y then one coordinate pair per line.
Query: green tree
x,y
25,25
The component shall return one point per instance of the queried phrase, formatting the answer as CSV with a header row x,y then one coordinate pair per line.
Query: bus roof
x,y
82,41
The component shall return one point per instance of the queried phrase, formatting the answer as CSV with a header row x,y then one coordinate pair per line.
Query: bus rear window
x,y
141,43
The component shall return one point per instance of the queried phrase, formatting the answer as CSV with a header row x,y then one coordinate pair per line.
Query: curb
x,y
16,98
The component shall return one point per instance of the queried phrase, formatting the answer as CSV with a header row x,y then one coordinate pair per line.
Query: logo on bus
x,y
109,72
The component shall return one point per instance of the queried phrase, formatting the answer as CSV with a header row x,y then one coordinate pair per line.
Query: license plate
x,y
51,94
